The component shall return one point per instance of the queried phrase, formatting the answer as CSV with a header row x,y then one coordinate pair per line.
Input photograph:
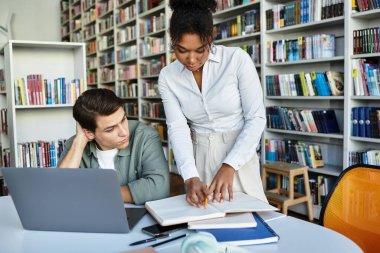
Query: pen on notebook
x,y
163,242
149,239
206,199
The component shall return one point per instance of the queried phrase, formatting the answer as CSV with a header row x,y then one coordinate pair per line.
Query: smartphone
x,y
157,229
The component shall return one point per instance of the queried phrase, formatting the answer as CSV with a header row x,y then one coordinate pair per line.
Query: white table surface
x,y
295,236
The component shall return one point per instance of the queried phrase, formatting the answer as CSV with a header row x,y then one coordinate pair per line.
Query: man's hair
x,y
192,16
93,103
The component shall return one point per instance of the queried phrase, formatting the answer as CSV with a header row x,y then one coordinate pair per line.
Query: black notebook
x,y
260,234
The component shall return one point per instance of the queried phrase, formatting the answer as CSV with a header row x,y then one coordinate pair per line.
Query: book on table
x,y
231,220
260,234
176,210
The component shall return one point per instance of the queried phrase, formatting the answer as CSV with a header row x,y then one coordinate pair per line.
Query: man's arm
x,y
73,156
154,181
126,194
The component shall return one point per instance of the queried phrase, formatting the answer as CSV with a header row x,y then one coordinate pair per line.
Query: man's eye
x,y
200,51
109,130
181,51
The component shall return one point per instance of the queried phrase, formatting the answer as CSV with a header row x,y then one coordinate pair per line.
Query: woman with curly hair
x,y
214,108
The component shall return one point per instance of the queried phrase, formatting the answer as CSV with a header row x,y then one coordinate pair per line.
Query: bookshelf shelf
x,y
127,61
365,97
319,135
149,77
363,139
151,98
306,97
130,98
233,11
124,43
366,14
152,11
124,4
308,26
32,107
50,60
107,31
155,33
107,13
358,56
302,62
126,23
90,38
152,55
154,119
247,37
330,170
90,23
106,49
133,117
129,79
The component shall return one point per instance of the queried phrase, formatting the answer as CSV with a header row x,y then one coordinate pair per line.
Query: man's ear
x,y
89,134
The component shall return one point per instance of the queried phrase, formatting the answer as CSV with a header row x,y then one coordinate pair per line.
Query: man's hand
x,y
222,183
81,138
196,191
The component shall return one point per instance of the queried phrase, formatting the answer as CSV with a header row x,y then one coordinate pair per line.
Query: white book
x,y
176,210
231,220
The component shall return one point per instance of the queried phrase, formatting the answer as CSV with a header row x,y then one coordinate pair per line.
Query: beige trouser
x,y
212,148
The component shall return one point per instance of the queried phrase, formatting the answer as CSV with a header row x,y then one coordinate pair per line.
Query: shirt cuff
x,y
233,163
187,173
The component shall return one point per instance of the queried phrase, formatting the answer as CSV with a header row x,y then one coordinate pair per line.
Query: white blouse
x,y
231,99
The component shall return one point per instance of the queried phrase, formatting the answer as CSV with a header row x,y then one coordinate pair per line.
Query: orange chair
x,y
352,207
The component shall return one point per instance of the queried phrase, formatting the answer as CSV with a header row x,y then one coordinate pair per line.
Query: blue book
x,y
260,234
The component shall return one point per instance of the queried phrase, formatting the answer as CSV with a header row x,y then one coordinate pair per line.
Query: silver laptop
x,y
70,200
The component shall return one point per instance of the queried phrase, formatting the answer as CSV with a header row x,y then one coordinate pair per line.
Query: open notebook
x,y
176,210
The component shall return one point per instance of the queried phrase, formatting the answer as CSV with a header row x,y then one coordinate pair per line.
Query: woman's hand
x,y
222,183
196,191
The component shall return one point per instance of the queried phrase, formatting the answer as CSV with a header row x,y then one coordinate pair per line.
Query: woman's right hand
x,y
196,191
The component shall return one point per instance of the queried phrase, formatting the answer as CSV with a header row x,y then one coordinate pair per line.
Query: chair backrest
x,y
352,207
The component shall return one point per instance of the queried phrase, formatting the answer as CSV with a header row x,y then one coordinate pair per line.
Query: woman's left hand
x,y
222,183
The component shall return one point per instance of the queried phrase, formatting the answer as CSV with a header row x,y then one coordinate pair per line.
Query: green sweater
x,y
141,166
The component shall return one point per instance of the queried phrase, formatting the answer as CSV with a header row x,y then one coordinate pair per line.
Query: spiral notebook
x,y
260,234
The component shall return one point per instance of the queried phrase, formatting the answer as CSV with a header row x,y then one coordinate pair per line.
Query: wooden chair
x,y
283,198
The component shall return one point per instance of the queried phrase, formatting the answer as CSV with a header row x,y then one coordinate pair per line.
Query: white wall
x,y
33,19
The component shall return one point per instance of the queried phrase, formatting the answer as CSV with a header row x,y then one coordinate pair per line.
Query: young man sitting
x,y
106,139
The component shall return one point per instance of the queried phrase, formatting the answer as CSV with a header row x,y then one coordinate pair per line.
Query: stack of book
x,y
232,223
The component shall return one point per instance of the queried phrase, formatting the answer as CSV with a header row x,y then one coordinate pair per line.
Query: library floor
x,y
177,188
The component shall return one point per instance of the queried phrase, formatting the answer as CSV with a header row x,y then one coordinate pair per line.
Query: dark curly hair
x,y
192,16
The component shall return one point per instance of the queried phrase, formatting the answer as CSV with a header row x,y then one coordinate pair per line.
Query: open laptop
x,y
70,200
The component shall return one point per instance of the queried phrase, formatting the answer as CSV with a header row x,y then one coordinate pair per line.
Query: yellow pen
x,y
206,199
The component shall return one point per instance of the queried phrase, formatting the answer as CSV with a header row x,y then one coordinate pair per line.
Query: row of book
x,y
89,16
126,89
91,62
329,83
92,77
131,109
38,91
303,48
304,120
125,14
126,53
39,153
153,24
365,122
226,4
105,42
302,12
366,77
103,7
127,72
105,24
107,58
2,81
247,23
371,157
107,75
254,51
152,110
89,32
292,151
150,89
152,67
127,34
367,41
91,47
365,5
152,45
145,5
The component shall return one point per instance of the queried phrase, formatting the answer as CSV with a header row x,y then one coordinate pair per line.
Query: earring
x,y
213,48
